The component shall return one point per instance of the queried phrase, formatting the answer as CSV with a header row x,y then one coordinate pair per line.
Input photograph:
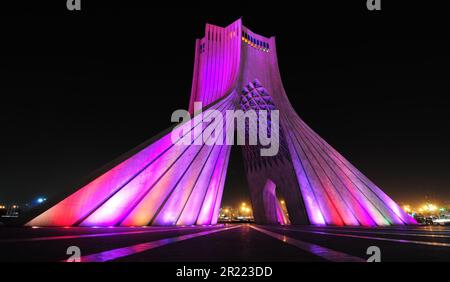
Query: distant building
x,y
9,211
3,210
230,214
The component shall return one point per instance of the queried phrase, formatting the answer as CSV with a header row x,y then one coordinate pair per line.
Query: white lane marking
x,y
381,232
437,244
139,248
314,249
106,234
389,228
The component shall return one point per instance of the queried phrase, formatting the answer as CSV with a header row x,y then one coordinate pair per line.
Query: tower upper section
x,y
218,60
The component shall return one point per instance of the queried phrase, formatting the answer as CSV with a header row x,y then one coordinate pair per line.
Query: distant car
x,y
429,221
420,219
441,221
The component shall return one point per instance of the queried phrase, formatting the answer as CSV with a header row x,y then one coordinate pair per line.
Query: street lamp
x,y
40,200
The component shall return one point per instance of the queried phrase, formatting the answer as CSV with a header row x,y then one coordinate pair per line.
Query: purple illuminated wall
x,y
216,64
172,184
163,184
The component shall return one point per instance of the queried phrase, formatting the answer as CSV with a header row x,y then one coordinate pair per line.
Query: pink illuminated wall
x,y
216,65
163,184
166,183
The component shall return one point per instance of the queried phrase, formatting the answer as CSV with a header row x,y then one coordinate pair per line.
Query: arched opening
x,y
275,207
236,205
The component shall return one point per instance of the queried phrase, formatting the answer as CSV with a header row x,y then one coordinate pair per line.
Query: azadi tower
x,y
162,183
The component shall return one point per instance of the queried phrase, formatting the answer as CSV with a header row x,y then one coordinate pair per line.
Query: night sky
x,y
79,90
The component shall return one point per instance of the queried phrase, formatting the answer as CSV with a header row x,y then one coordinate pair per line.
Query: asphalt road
x,y
226,243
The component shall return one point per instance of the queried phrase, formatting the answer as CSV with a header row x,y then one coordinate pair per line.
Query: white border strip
x,y
139,248
105,234
436,244
325,253
381,233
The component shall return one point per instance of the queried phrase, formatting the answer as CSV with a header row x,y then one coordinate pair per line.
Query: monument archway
x,y
162,182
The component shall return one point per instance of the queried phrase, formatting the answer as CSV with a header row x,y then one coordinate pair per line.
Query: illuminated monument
x,y
160,183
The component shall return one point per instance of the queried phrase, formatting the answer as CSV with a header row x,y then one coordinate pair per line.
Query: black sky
x,y
79,90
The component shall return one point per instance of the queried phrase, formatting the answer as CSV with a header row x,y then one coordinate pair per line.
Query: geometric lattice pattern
x,y
255,97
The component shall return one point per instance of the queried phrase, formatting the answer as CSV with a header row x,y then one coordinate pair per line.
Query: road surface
x,y
226,243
